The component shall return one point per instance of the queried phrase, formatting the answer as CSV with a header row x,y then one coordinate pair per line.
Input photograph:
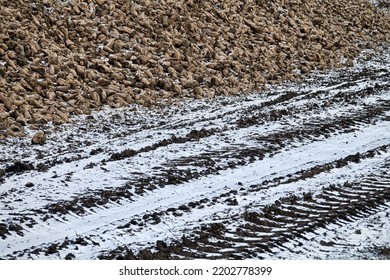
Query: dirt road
x,y
299,171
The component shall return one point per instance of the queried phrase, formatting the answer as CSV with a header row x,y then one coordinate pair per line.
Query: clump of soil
x,y
18,167
3,230
385,253
59,58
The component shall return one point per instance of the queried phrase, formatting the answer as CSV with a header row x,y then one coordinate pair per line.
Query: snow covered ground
x,y
299,171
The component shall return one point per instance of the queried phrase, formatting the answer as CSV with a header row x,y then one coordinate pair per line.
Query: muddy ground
x,y
299,171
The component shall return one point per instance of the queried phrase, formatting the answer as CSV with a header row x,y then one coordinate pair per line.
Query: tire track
x,y
262,232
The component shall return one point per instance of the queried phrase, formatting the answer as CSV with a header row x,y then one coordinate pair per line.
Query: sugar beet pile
x,y
59,58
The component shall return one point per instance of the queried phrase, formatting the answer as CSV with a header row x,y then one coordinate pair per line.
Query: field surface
x,y
300,171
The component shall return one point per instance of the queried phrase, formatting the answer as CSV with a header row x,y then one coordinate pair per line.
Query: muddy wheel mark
x,y
191,136
273,225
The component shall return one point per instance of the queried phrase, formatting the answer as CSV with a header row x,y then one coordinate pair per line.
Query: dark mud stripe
x,y
255,115
193,135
